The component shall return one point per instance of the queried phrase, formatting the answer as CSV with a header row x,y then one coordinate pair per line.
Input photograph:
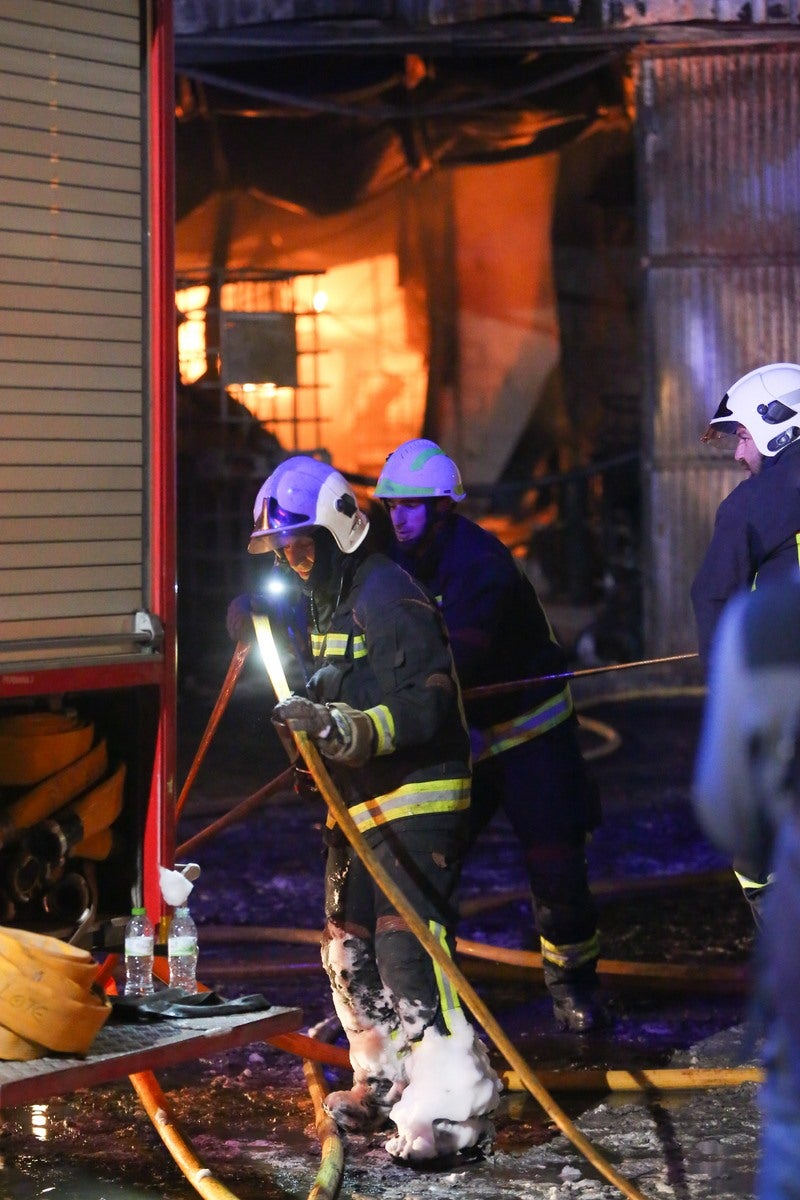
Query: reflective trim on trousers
x,y
528,725
570,957
448,996
412,800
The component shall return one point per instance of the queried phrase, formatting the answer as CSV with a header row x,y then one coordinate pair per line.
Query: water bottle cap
x,y
182,911
137,912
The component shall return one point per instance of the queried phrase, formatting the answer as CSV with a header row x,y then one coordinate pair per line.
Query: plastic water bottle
x,y
139,940
182,951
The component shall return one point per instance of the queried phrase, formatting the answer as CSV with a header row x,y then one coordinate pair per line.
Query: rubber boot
x,y
578,1005
363,1108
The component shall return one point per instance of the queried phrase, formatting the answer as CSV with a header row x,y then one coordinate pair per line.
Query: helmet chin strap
x,y
324,584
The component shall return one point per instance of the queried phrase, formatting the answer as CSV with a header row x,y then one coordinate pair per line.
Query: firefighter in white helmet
x,y
757,526
382,705
526,755
756,534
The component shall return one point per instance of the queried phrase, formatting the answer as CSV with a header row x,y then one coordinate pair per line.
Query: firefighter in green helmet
x,y
525,751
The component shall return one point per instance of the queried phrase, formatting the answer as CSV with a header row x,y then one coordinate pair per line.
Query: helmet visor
x,y
275,526
723,421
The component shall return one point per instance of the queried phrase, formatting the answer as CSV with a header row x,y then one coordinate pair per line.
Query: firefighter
x,y
382,705
757,527
525,750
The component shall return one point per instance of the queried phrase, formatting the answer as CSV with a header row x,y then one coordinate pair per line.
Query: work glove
x,y
341,733
239,620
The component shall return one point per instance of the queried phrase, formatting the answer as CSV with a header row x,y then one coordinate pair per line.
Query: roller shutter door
x,y
72,373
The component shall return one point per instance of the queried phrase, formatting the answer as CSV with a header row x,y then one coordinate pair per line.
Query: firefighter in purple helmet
x,y
382,705
756,534
525,751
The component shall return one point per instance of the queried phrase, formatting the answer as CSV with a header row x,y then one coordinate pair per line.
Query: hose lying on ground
x,y
724,977
160,1113
664,1079
331,1169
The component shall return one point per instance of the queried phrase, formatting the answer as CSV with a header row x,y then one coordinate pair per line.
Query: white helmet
x,y
767,402
299,494
417,470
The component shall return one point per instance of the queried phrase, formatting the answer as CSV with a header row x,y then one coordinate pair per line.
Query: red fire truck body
x,y
87,491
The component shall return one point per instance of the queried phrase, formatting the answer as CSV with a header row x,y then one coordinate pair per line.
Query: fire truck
x,y
87,576
87,491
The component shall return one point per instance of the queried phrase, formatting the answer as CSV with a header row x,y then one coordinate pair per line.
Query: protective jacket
x,y
384,651
756,538
526,754
378,644
498,630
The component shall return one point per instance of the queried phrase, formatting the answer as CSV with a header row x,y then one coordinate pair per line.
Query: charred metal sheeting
x,y
194,17
717,136
626,13
202,16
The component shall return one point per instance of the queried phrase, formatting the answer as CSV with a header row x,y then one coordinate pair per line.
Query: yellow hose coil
x,y
35,953
17,1049
34,746
100,807
46,996
53,793
36,723
97,847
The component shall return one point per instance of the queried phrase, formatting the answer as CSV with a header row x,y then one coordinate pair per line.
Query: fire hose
x,y
48,1001
313,1050
396,898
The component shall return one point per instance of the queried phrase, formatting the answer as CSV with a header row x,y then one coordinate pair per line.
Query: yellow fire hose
x,y
160,1113
724,977
52,793
36,745
47,1001
331,1167
662,1079
575,1079
329,1177
314,1051
396,898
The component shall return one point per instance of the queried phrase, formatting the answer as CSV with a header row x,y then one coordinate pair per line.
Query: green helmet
x,y
418,470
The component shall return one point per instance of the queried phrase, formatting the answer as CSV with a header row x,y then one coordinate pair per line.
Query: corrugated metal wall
x,y
719,171
71,345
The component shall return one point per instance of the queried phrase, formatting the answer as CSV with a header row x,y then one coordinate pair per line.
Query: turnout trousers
x,y
386,988
551,802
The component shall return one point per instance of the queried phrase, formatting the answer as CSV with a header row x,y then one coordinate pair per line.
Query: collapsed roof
x,y
319,105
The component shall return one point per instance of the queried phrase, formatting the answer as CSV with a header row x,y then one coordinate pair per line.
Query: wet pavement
x,y
666,897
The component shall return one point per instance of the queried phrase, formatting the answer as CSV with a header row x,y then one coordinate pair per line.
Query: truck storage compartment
x,y
75,781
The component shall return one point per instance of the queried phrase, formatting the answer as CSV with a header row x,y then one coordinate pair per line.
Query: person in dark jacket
x,y
382,704
526,754
756,534
747,797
